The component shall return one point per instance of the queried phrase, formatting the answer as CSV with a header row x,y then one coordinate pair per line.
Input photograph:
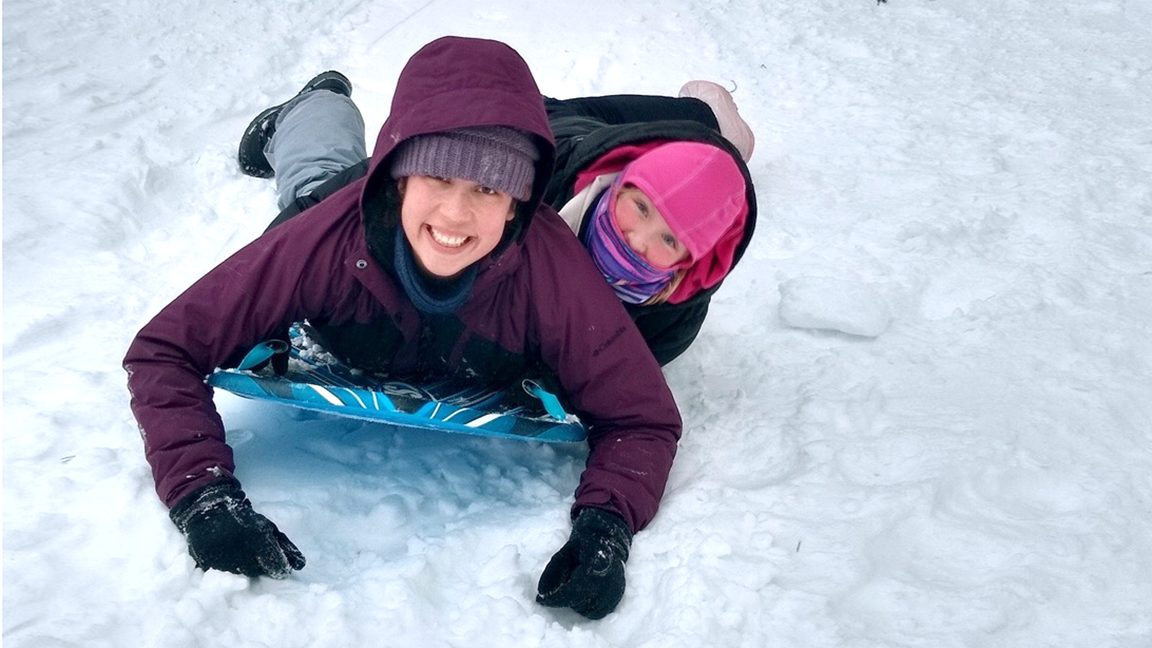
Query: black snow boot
x,y
251,154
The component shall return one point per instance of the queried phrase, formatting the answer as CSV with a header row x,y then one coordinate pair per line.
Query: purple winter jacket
x,y
537,298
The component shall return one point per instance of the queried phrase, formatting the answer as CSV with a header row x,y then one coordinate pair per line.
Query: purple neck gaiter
x,y
634,279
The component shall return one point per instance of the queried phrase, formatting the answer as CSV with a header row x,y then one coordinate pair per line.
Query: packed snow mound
x,y
835,305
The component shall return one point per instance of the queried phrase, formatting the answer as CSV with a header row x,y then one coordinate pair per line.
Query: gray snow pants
x,y
318,135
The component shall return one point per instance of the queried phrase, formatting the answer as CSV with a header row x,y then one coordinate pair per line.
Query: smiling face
x,y
645,229
452,223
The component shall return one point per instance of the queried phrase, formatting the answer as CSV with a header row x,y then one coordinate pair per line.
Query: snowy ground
x,y
919,415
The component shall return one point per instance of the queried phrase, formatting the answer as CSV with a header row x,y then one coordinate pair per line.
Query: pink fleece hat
x,y
700,192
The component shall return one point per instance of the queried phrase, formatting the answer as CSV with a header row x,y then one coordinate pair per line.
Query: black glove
x,y
587,574
224,533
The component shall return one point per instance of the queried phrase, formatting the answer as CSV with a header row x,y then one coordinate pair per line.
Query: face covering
x,y
634,279
429,295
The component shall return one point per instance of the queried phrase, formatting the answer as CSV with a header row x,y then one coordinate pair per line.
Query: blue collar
x,y
430,295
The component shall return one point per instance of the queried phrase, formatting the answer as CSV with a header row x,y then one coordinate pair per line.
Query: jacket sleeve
x,y
669,329
614,384
250,297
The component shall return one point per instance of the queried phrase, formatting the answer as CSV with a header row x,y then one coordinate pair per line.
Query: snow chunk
x,y
833,304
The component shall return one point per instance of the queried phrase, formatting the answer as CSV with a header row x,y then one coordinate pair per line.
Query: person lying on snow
x,y
440,261
656,188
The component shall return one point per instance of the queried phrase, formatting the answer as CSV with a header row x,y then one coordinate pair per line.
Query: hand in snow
x,y
587,574
224,533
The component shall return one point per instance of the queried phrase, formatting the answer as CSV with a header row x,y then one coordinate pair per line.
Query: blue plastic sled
x,y
316,382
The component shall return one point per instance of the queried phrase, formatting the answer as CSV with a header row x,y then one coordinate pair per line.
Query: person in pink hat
x,y
665,227
657,188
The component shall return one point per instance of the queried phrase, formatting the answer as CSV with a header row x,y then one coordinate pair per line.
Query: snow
x,y
833,304
919,414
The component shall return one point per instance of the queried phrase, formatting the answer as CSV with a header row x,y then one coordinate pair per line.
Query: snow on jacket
x,y
537,301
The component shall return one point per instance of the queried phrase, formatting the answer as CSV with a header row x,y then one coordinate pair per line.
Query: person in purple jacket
x,y
441,261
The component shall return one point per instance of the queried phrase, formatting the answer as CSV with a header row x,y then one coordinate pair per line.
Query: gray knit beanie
x,y
495,156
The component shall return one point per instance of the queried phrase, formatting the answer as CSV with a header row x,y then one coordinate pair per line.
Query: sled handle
x,y
551,403
261,352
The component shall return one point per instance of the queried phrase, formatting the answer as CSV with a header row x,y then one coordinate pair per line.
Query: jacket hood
x,y
613,149
456,82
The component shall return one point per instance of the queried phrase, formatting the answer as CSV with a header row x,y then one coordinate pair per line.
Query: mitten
x,y
224,533
587,574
